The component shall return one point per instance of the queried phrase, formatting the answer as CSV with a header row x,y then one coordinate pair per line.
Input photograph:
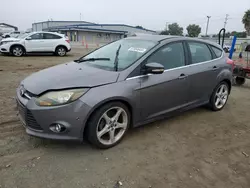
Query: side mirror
x,y
28,38
153,68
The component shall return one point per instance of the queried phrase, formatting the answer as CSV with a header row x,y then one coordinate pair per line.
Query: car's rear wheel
x,y
61,51
219,97
108,125
17,51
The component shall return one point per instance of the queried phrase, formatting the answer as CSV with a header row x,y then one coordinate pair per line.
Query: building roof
x,y
101,27
64,28
64,21
8,25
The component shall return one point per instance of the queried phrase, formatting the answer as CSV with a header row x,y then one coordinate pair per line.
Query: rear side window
x,y
217,51
170,56
51,36
199,52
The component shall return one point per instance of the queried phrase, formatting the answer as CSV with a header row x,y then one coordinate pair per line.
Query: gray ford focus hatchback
x,y
127,83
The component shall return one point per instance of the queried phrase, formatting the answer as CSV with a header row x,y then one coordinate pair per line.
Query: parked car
x,y
12,34
227,48
36,42
127,83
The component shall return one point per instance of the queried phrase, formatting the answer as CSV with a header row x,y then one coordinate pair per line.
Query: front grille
x,y
27,117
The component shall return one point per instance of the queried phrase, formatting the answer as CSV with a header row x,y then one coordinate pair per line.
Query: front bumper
x,y
38,120
4,48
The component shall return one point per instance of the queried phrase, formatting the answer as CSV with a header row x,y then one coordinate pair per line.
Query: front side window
x,y
37,36
170,56
199,52
130,51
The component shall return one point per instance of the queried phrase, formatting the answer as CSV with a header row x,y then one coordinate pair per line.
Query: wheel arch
x,y
229,83
225,76
61,45
13,45
102,103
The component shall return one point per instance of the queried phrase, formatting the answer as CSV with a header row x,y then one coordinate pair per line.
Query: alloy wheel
x,y
61,52
17,51
221,96
112,125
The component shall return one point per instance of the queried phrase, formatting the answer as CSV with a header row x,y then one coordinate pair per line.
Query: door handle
x,y
214,68
182,76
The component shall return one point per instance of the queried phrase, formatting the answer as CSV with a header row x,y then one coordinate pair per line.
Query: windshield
x,y
130,51
22,36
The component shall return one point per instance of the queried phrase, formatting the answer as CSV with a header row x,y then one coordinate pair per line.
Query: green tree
x,y
239,34
246,21
175,29
193,30
164,32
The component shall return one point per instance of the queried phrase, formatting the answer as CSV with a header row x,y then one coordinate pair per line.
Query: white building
x,y
90,33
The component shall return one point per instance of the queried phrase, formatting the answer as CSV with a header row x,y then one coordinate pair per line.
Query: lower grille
x,y
31,122
27,117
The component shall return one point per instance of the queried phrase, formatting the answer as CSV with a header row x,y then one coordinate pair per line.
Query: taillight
x,y
230,62
68,41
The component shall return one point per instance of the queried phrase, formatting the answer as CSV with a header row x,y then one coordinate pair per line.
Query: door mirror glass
x,y
153,68
28,38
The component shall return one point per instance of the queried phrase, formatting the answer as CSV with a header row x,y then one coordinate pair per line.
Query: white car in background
x,y
36,42
12,34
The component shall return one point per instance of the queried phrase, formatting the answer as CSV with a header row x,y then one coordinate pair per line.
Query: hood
x,y
69,75
9,39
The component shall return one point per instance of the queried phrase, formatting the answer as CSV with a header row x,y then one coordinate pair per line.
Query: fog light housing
x,y
57,128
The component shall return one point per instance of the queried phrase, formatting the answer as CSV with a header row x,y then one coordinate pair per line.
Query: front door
x,y
165,92
35,44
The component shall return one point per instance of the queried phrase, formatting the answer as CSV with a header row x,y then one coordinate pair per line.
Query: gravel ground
x,y
196,149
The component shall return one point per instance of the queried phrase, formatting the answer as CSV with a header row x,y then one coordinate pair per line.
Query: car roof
x,y
159,38
156,38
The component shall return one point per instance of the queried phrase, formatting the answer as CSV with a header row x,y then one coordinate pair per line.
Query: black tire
x,y
212,101
61,51
17,51
239,81
91,130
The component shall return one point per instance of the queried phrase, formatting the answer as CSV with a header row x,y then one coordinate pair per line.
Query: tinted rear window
x,y
51,36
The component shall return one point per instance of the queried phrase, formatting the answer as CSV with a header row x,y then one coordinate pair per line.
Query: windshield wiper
x,y
92,59
116,58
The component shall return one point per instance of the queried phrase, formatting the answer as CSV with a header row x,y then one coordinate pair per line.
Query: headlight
x,y
55,98
5,42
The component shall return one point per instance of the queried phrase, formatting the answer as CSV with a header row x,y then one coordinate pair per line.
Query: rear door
x,y
36,44
165,92
50,41
202,70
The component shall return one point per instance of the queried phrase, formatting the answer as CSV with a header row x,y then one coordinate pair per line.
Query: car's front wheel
x,y
108,125
219,97
17,51
61,51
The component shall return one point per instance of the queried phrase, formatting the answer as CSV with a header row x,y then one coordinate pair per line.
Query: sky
x,y
149,14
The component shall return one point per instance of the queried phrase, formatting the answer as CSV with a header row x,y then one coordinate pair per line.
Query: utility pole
x,y
208,17
226,18
80,16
